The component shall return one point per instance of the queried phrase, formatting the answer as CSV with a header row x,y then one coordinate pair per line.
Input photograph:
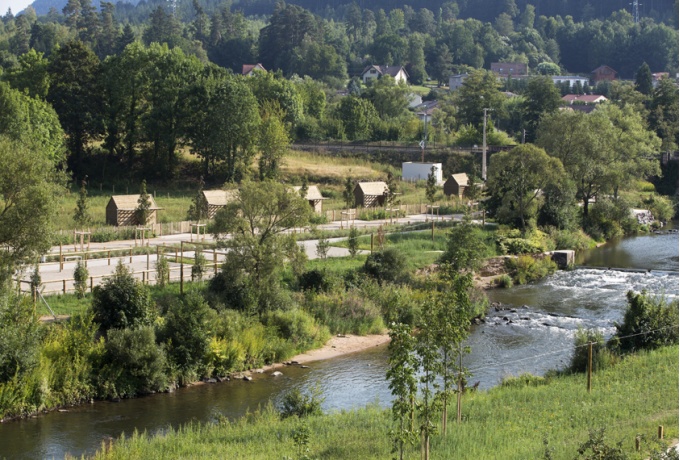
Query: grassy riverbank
x,y
507,422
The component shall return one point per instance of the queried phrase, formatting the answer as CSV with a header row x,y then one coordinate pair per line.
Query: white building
x,y
376,71
412,170
572,79
456,81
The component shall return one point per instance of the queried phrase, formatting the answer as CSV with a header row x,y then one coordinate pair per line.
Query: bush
x,y
19,335
162,271
602,357
297,327
577,240
318,219
387,266
465,247
661,207
121,302
523,380
346,313
133,363
512,242
80,278
525,269
609,219
318,280
504,281
295,403
652,321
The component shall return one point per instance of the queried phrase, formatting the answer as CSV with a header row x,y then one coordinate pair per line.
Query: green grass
x,y
505,423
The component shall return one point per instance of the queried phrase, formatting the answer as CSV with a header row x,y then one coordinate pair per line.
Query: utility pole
x,y
486,109
636,11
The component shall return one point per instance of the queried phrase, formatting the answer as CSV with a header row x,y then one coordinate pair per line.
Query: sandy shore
x,y
337,346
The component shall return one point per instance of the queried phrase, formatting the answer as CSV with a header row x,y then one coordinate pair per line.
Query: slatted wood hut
x,y
121,210
217,199
456,185
369,194
313,196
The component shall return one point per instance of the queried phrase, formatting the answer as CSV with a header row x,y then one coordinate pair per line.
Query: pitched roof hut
x,y
217,199
456,185
120,210
369,194
313,196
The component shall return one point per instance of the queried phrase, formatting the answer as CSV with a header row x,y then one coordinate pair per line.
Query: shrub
x,y
298,327
525,269
353,241
504,281
609,219
19,335
121,302
133,363
318,280
162,271
80,277
198,269
571,239
387,266
318,219
465,247
652,321
602,357
295,403
661,207
346,313
523,380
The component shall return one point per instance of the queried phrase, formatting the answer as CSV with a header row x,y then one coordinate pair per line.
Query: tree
x,y
663,115
651,321
431,185
31,75
517,177
385,266
29,189
403,384
20,335
162,271
480,90
548,68
75,73
357,116
348,193
441,69
143,210
198,210
322,247
353,241
258,221
643,80
465,246
273,140
81,217
416,59
81,276
389,98
391,190
121,302
541,97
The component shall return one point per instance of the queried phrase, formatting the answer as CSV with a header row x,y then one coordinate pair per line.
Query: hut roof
x,y
313,193
373,188
460,178
131,202
219,197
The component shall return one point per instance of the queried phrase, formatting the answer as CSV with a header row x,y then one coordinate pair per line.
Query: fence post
x,y
64,286
61,259
86,259
181,268
371,242
147,260
131,254
590,365
109,257
143,277
660,431
91,283
215,260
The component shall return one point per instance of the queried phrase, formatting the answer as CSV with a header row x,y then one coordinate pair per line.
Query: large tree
x,y
480,90
541,97
518,177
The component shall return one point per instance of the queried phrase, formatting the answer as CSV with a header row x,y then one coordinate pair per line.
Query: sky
x,y
16,5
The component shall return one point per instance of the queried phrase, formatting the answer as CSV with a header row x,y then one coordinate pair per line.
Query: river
x,y
534,336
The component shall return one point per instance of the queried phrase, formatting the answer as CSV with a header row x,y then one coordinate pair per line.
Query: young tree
x,y
540,97
391,190
198,210
162,271
643,80
431,185
402,375
273,140
304,188
353,241
199,267
322,247
348,193
465,246
143,210
81,216
81,276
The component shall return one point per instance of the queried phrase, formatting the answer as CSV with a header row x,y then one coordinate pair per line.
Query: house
x,y
414,100
425,110
456,81
509,69
376,71
456,185
603,73
412,170
369,194
582,99
571,79
217,199
122,210
657,77
313,196
249,69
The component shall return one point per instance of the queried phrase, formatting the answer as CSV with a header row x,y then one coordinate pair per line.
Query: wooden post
x,y
181,268
143,277
175,255
147,260
85,259
371,243
637,443
131,254
109,257
64,286
91,283
61,259
215,260
660,431
432,230
590,365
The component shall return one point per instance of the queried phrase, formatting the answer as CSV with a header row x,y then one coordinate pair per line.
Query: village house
x,y
313,196
249,70
509,69
369,194
603,73
571,79
217,199
583,99
373,72
425,110
657,77
456,184
122,210
456,81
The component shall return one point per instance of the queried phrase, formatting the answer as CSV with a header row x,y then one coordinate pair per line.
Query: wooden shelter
x,y
369,194
313,196
121,210
456,185
217,199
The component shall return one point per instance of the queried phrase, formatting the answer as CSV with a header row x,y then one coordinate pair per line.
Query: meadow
x,y
507,422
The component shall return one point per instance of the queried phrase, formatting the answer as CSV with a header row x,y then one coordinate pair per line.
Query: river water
x,y
534,335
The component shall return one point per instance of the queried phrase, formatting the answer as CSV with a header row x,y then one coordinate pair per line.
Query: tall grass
x,y
505,423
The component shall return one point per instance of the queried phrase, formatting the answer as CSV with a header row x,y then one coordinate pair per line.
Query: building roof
x,y
604,68
313,193
247,68
660,75
130,202
460,178
426,108
509,67
219,197
373,188
567,77
587,98
391,70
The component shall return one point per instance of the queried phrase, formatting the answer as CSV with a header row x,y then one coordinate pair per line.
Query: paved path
x,y
58,280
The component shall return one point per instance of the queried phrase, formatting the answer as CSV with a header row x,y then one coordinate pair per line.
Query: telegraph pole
x,y
486,109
